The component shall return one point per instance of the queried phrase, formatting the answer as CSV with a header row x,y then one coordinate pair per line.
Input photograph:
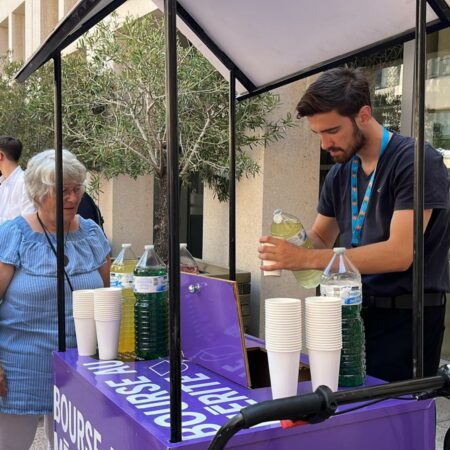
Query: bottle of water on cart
x,y
342,279
151,308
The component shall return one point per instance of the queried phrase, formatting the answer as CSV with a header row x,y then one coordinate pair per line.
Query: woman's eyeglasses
x,y
78,190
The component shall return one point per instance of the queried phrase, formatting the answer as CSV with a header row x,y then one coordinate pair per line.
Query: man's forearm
x,y
316,240
368,259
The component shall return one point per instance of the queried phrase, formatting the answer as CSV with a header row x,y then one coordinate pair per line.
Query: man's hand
x,y
284,254
3,389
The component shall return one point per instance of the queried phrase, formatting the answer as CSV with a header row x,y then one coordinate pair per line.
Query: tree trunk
x,y
161,223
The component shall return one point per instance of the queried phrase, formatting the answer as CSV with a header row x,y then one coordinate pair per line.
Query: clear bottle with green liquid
x,y
288,227
151,311
342,279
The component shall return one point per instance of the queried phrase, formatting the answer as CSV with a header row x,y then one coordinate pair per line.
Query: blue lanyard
x,y
358,217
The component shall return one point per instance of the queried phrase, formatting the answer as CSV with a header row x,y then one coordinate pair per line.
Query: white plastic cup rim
x,y
323,299
324,348
281,301
107,298
108,289
84,295
278,315
283,308
283,349
83,307
336,338
283,339
320,331
117,315
283,325
283,331
287,336
107,319
317,309
323,312
319,326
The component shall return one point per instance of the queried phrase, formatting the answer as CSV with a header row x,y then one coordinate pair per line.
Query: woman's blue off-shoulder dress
x,y
28,311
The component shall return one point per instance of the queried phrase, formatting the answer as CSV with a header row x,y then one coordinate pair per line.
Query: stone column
x,y
127,208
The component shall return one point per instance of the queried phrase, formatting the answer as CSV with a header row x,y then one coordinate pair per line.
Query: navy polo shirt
x,y
393,189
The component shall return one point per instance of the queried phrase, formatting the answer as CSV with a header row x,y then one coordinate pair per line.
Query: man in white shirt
x,y
14,199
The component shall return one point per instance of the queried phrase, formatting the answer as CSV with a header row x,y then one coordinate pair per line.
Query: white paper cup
x,y
324,367
283,369
108,338
268,262
86,336
83,303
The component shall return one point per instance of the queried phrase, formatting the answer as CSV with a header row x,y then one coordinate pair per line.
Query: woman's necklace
x,y
46,231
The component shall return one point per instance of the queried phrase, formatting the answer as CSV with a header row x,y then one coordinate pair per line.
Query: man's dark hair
x,y
11,147
344,90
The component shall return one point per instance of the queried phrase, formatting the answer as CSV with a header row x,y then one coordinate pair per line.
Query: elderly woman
x,y
28,308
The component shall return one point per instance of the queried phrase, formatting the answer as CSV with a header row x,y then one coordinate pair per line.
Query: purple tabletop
x,y
114,405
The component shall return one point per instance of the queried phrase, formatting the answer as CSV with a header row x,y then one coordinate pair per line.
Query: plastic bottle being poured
x,y
288,227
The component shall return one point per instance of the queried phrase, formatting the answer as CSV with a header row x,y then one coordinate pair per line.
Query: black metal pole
x,y
232,176
419,91
170,9
59,204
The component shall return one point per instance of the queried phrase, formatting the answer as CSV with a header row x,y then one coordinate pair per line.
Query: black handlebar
x,y
322,404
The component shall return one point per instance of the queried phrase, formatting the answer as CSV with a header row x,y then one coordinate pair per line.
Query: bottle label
x,y
350,294
149,285
299,239
123,280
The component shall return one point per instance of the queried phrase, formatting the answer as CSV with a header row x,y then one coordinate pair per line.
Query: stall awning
x,y
271,43
268,43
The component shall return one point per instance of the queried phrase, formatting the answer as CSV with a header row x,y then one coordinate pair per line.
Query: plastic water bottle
x,y
121,275
286,226
151,309
342,279
187,261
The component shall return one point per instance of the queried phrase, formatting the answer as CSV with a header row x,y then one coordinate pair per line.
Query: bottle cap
x,y
339,250
126,245
149,247
278,216
183,245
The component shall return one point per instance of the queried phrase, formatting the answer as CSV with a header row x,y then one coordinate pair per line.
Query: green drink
x,y
342,279
151,311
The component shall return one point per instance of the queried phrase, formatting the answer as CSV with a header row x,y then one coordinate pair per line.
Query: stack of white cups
x,y
83,315
323,321
283,344
107,314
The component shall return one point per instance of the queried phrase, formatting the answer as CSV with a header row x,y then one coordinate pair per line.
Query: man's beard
x,y
359,140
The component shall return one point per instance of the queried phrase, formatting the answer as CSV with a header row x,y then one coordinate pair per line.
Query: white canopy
x,y
267,43
271,42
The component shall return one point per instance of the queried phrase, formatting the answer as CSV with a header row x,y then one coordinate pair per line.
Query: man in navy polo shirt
x,y
338,108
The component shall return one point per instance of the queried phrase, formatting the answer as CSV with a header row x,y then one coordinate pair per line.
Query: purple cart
x,y
112,405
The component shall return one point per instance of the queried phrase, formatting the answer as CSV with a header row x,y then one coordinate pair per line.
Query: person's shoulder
x,y
88,225
16,223
13,228
405,146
